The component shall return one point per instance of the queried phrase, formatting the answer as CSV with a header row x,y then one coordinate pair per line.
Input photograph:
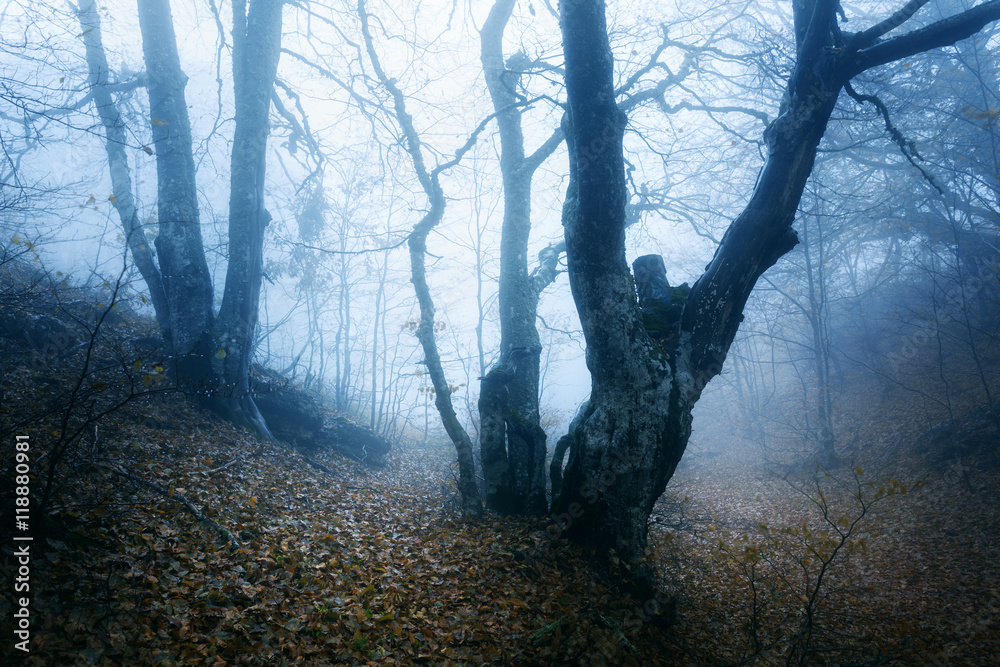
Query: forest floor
x,y
884,561
358,566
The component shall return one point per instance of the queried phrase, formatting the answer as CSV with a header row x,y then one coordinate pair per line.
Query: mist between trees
x,y
566,242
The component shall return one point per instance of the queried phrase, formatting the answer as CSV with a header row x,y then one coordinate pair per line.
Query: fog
x,y
356,232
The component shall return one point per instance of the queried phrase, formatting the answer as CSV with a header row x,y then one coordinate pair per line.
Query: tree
x,y
256,47
511,441
211,354
187,283
430,182
115,145
639,418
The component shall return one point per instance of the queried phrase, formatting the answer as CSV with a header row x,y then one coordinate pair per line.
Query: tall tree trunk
x,y
816,314
417,242
256,48
121,177
622,453
639,418
212,355
344,321
373,418
187,282
511,441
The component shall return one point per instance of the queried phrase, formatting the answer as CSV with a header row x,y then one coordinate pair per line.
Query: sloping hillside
x,y
171,537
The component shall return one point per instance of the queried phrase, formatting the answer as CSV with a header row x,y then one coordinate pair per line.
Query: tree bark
x,y
417,242
618,463
121,178
256,48
187,282
639,422
186,279
511,442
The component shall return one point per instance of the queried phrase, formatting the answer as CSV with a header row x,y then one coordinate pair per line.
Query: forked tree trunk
x,y
511,441
639,418
212,355
256,48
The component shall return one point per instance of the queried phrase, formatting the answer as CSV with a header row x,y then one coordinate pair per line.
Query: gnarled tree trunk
x,y
639,417
430,182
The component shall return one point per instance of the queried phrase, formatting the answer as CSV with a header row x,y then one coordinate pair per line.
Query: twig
x,y
209,473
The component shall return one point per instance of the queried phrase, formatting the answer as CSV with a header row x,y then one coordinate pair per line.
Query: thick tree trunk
x,y
187,283
641,402
618,464
121,178
513,484
511,442
212,356
493,404
515,481
256,48
639,419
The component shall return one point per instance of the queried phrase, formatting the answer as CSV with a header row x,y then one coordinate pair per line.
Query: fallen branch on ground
x,y
184,502
320,466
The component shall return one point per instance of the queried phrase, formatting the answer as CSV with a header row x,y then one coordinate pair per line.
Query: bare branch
x,y
942,33
905,147
868,37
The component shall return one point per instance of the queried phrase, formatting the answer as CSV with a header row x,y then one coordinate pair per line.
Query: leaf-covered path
x,y
341,564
